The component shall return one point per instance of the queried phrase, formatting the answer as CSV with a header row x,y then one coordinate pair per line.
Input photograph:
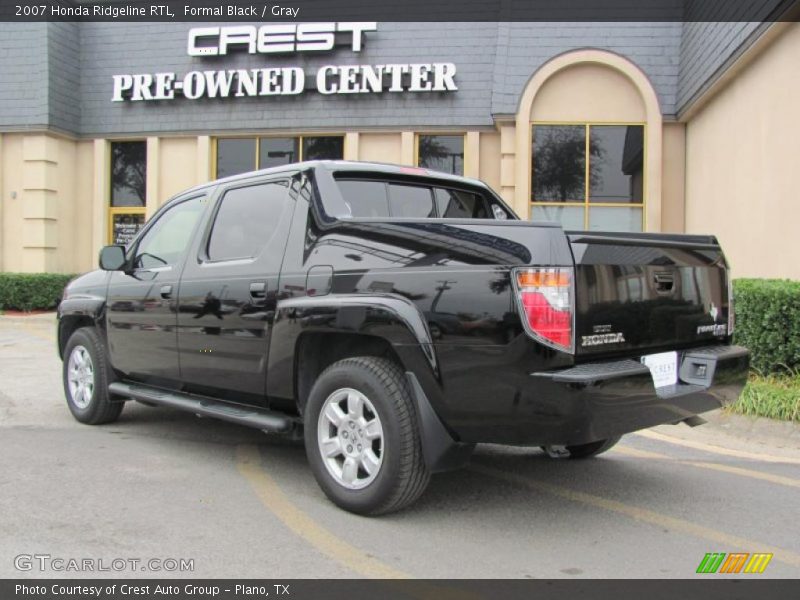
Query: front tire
x,y
86,375
362,439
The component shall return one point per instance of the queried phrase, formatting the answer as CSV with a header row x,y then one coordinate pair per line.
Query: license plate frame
x,y
663,368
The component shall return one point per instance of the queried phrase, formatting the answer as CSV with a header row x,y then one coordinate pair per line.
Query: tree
x,y
323,147
559,163
129,173
435,154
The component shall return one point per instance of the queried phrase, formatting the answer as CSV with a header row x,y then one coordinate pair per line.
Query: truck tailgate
x,y
647,292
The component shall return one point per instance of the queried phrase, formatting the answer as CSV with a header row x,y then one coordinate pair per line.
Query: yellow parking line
x,y
780,480
248,462
644,514
654,435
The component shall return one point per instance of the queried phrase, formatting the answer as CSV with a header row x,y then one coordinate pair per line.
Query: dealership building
x,y
658,126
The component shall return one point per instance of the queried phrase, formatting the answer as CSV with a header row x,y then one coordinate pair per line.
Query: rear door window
x,y
246,220
411,201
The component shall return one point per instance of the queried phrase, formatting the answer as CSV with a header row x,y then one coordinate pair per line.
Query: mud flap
x,y
441,451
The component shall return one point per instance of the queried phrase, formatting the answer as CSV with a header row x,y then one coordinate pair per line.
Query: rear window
x,y
371,198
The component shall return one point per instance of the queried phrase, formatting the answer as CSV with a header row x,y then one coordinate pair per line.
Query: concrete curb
x,y
729,430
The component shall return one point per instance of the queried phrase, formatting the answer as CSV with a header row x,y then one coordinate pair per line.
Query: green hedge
x,y
31,291
768,323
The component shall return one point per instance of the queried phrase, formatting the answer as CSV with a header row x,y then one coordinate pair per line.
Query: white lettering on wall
x,y
322,81
194,85
206,42
285,81
444,78
122,83
278,38
164,86
218,83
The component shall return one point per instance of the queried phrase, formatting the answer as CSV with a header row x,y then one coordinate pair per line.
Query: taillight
x,y
545,297
731,314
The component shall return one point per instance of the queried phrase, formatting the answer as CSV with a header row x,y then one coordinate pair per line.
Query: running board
x,y
257,418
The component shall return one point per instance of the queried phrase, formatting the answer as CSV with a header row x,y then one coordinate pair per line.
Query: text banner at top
x,y
408,10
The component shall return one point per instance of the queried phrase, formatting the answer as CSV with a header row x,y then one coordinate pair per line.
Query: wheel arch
x,y
310,333
316,351
77,313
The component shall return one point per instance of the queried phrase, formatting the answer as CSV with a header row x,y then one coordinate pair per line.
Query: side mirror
x,y
112,258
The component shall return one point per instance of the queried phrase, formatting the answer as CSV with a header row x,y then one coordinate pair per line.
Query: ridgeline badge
x,y
713,328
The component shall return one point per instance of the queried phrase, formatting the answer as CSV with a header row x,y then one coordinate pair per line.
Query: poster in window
x,y
124,228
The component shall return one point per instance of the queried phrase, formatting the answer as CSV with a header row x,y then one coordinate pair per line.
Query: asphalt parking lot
x,y
161,484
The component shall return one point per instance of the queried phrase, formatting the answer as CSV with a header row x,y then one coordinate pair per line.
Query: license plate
x,y
663,368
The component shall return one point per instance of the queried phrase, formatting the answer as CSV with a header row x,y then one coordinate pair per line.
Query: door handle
x,y
166,291
258,289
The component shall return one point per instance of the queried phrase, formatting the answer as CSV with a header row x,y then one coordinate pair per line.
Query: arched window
x,y
588,144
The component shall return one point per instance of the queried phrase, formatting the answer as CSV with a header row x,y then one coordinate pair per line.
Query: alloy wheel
x,y
350,438
80,377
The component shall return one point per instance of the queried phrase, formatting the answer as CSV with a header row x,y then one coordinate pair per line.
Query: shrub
x,y
768,323
31,291
773,396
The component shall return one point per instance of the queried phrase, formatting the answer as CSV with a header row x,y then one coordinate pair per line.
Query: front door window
x,y
167,239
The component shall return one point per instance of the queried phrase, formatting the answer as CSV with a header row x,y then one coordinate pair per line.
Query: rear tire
x,y
362,438
584,450
86,375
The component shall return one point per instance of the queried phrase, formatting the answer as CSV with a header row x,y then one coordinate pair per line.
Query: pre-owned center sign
x,y
209,42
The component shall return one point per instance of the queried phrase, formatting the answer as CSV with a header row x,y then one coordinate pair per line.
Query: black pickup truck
x,y
395,317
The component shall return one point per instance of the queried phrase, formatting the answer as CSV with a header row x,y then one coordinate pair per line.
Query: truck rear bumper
x,y
596,401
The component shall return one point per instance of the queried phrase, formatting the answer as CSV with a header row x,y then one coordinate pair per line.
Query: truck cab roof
x,y
352,166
